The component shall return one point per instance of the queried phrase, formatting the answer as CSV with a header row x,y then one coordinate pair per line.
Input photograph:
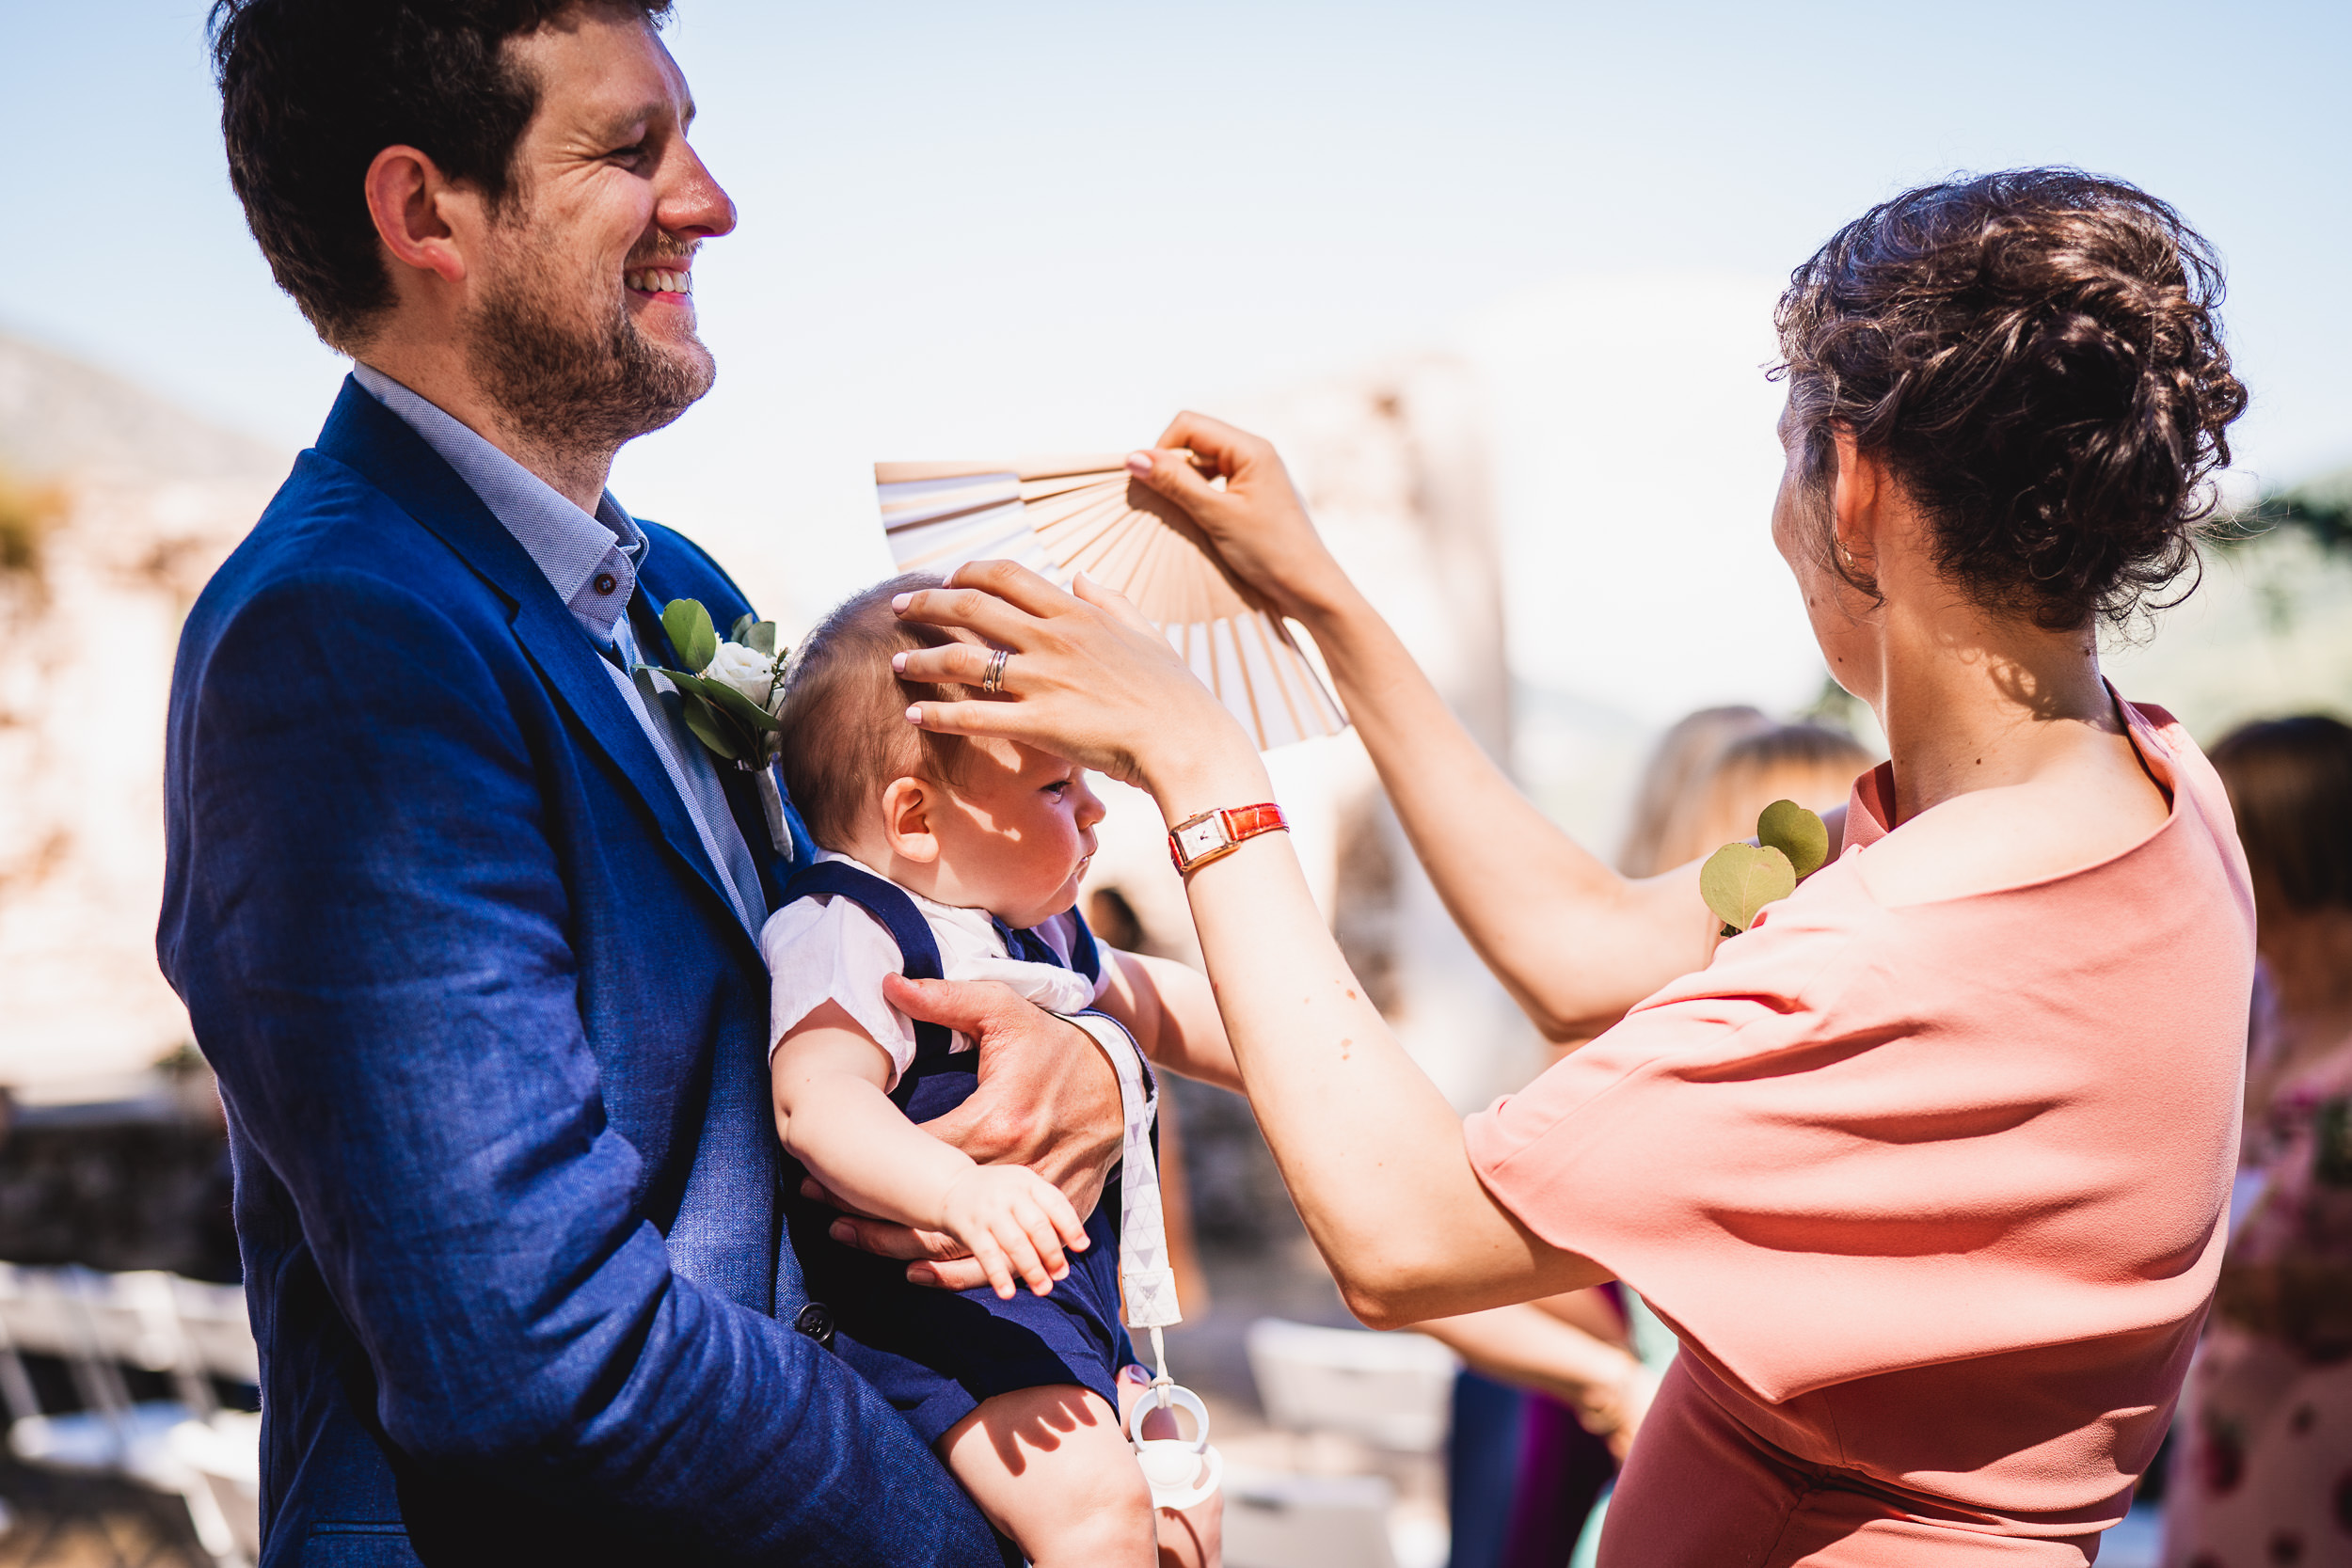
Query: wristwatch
x,y
1214,834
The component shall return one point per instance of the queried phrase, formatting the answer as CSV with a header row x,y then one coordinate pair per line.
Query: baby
x,y
945,857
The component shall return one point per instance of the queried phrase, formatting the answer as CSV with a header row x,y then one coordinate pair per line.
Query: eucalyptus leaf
x,y
1797,833
690,632
1738,879
740,706
722,699
712,730
739,631
759,637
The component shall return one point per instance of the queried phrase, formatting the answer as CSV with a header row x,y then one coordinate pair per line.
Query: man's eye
x,y
628,154
1058,788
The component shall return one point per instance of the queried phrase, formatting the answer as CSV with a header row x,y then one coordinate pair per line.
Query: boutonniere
x,y
736,687
1738,879
731,695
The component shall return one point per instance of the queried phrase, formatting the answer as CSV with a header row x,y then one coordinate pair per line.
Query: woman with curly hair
x,y
1927,1167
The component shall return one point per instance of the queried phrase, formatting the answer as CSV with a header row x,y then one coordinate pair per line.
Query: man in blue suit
x,y
464,915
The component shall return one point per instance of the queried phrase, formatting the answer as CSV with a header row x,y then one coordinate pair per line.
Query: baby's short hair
x,y
845,729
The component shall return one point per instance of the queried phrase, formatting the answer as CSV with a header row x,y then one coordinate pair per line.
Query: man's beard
x,y
573,387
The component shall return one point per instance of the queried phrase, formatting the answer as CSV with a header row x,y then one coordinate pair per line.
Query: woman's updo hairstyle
x,y
2036,357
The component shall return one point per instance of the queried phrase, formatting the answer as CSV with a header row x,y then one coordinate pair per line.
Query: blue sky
x,y
973,229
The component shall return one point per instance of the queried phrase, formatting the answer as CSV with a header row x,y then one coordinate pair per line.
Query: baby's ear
x,y
906,806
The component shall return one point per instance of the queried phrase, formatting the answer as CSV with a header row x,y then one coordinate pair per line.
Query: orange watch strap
x,y
1249,821
1234,824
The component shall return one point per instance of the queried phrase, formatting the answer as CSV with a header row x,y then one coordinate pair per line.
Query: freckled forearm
x,y
1371,1151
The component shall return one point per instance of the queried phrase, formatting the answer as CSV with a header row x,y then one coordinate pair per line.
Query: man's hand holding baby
x,y
1047,1100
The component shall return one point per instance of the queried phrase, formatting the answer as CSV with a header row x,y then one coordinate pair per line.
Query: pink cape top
x,y
1933,1195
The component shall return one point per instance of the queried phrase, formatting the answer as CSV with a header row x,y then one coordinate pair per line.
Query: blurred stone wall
x,y
148,500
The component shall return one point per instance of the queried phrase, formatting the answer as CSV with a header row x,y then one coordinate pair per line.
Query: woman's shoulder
x,y
2108,806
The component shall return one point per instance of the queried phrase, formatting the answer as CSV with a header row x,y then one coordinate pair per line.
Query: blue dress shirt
x,y
592,563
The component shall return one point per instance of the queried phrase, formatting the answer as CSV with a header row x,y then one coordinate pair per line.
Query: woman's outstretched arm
x,y
1372,1153
1574,942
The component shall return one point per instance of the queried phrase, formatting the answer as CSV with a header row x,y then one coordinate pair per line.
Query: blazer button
x,y
606,582
817,1323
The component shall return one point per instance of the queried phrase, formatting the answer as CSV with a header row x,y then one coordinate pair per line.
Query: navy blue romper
x,y
935,1355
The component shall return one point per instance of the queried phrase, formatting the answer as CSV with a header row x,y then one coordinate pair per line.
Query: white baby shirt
x,y
822,948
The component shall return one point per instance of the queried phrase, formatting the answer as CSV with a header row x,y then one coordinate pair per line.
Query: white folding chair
x,y
226,1451
1391,1390
1274,1519
134,1318
97,1324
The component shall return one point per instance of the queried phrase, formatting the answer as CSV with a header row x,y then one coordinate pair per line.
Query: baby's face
x,y
1015,832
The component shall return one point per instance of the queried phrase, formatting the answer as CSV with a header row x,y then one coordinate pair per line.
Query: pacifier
x,y
1183,1470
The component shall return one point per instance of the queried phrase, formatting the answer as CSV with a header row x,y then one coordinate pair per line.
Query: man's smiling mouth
x,y
659,280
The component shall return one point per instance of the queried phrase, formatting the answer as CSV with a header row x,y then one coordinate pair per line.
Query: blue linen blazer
x,y
493,1046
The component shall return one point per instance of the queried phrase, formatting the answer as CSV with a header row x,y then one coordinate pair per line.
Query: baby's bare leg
x,y
1049,1468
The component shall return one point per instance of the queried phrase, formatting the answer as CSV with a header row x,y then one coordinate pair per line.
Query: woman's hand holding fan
x,y
1256,523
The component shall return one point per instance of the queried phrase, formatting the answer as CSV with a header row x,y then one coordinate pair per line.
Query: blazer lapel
x,y
364,436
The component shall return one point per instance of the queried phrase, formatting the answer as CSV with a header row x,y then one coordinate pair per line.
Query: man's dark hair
x,y
2038,356
311,90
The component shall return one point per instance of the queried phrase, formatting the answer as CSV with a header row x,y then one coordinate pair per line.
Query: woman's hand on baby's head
x,y
1086,676
1016,1223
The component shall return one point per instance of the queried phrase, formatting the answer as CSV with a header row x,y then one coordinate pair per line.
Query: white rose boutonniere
x,y
731,693
754,671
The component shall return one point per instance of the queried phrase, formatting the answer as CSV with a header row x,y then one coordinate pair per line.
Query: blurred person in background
x,y
1679,765
1553,1394
2263,1473
1808,763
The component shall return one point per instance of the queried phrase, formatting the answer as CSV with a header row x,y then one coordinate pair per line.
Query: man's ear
x,y
412,204
907,804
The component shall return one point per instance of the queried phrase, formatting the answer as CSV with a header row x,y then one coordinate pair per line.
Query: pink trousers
x,y
1701,1491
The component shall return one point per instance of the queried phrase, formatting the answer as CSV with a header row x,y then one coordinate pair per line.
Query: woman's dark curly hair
x,y
311,90
2036,355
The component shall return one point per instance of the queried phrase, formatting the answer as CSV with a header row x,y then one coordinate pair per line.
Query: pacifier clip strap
x,y
1145,1274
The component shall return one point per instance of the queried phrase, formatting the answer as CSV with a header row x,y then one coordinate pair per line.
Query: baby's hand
x,y
1015,1222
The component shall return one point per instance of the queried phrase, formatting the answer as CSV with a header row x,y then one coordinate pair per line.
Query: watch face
x,y
1201,837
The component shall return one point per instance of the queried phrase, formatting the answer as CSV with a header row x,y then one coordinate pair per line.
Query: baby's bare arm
x,y
827,1078
834,1117
1172,1011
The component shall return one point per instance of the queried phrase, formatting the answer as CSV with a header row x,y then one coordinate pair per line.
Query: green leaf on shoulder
x,y
1738,879
760,638
1797,833
743,624
690,632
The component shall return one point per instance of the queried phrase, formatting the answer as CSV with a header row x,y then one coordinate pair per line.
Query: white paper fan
x,y
1061,516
